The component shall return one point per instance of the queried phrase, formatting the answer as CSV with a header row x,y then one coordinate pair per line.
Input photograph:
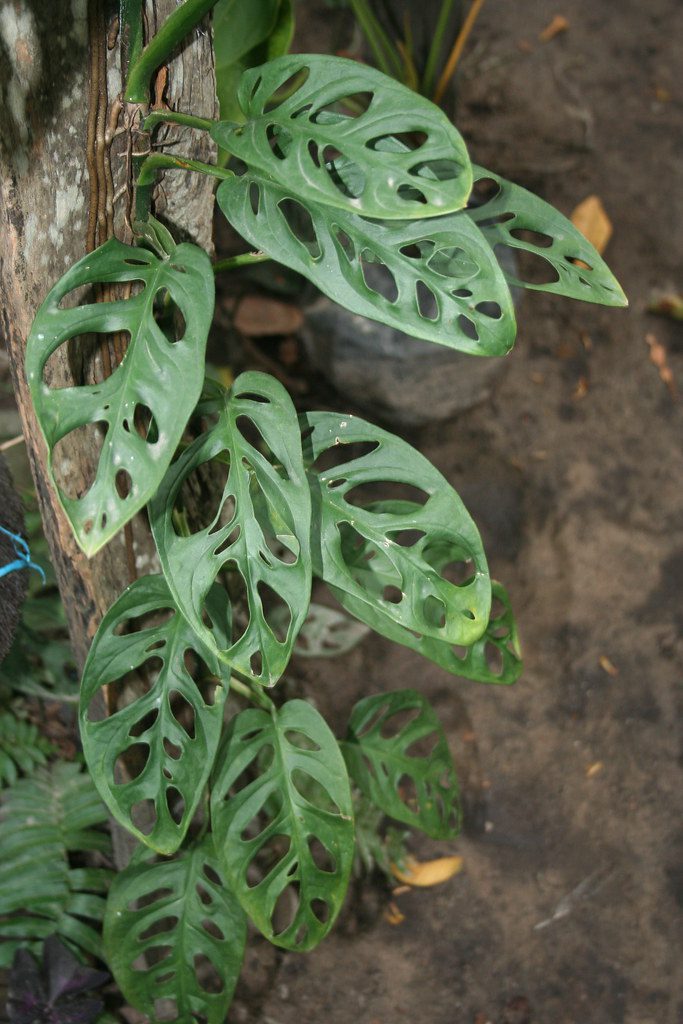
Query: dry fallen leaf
x,y
392,915
554,28
586,341
607,666
428,872
594,769
659,358
593,223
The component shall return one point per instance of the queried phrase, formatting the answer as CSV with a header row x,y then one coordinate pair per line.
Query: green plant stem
x,y
132,30
160,162
429,76
176,117
169,36
258,697
387,59
243,260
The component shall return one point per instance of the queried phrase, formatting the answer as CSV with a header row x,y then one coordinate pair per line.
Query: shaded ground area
x,y
568,908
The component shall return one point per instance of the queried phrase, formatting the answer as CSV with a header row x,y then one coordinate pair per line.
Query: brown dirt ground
x,y
568,907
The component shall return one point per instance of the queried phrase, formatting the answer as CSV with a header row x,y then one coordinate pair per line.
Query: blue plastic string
x,y
23,559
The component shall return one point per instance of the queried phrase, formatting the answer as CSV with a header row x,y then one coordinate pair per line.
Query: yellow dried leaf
x,y
594,769
607,666
428,872
593,223
554,28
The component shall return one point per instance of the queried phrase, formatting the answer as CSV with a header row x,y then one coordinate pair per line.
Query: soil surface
x,y
568,908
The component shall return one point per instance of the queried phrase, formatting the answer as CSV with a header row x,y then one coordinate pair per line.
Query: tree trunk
x,y
66,142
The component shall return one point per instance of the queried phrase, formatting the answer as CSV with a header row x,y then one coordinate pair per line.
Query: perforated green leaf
x,y
494,658
187,925
407,541
327,633
44,819
435,279
283,822
398,756
165,732
145,403
258,531
298,129
511,216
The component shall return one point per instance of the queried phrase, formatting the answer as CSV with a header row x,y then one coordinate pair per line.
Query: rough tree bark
x,y
65,146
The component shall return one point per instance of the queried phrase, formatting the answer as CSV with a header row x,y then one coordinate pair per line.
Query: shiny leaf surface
x,y
298,130
281,806
142,408
564,261
164,734
357,538
179,916
259,530
434,279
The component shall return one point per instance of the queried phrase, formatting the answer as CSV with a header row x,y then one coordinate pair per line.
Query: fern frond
x,y
44,818
22,748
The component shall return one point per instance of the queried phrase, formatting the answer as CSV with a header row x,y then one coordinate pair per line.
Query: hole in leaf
x,y
321,856
201,675
443,170
390,490
387,143
145,723
143,815
130,764
212,875
345,243
435,611
313,792
300,740
454,263
207,976
339,454
321,910
424,747
392,594
256,663
500,218
334,111
124,483
394,724
314,152
490,309
532,268
279,140
407,791
212,929
254,198
158,927
409,194
276,611
494,659
427,304
483,191
182,711
172,749
378,277
145,423
175,804
169,317
74,475
406,538
532,237
270,856
285,909
285,90
200,500
300,224
468,327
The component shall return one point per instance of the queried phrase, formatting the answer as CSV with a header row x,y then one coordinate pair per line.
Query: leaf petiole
x,y
244,259
259,697
176,117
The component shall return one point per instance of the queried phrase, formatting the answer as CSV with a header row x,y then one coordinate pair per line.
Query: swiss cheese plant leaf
x,y
44,819
244,36
283,823
435,279
174,936
298,130
564,261
257,533
151,757
327,633
407,540
398,756
142,408
494,658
